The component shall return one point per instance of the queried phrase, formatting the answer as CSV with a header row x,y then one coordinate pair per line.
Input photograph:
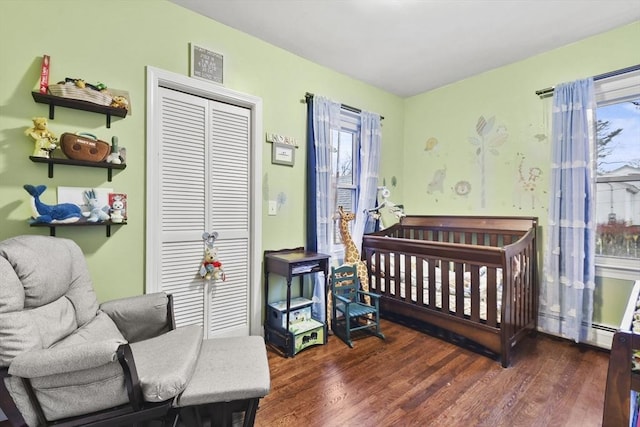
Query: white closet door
x,y
204,186
229,215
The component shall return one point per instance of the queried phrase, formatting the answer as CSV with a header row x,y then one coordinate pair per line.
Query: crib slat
x,y
475,293
396,274
444,284
468,238
492,292
419,282
431,265
459,277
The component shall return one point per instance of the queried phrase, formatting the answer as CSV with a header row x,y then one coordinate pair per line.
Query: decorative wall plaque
x,y
206,64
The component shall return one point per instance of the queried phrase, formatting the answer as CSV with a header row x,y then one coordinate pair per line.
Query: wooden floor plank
x,y
412,378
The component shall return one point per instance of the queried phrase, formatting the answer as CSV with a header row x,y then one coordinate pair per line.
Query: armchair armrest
x,y
372,295
62,360
141,317
342,299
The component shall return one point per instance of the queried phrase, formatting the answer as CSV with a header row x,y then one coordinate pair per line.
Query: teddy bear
x,y
45,140
211,267
120,102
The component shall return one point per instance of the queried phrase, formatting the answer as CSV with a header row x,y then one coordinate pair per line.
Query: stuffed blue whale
x,y
62,213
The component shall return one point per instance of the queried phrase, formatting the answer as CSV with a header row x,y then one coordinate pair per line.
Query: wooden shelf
x,y
81,223
65,161
53,101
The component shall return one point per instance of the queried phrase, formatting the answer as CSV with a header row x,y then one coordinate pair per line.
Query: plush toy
x,y
114,156
211,267
45,140
117,210
120,102
51,214
97,212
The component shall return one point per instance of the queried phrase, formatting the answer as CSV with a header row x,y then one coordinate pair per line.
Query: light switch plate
x,y
273,207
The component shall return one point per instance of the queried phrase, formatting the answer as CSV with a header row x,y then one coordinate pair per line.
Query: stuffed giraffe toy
x,y
351,252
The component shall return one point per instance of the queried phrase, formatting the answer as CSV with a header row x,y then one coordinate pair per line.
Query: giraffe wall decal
x,y
351,252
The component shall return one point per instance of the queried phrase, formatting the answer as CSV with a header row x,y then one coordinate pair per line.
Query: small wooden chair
x,y
349,312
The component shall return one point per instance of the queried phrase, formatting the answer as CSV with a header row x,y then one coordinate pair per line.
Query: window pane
x,y
618,180
344,175
344,166
346,199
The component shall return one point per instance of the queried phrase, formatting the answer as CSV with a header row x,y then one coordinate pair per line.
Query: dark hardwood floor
x,y
414,379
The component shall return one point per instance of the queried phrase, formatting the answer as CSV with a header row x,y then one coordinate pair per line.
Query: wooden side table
x,y
290,263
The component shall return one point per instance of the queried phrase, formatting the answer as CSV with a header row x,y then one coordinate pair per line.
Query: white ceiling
x,y
408,47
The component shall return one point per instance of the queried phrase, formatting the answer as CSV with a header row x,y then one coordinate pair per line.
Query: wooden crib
x,y
473,276
623,376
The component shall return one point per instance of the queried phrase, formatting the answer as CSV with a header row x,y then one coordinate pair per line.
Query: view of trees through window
x,y
618,180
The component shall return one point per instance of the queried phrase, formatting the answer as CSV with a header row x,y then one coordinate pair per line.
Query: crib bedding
x,y
467,277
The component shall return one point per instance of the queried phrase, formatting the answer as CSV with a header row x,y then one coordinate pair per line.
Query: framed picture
x,y
205,64
283,154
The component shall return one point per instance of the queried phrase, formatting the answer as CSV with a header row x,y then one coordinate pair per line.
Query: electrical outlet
x,y
273,207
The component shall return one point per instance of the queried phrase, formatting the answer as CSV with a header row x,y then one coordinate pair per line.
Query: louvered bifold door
x,y
204,166
229,215
183,201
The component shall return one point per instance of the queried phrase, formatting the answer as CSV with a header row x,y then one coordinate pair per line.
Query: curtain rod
x,y
542,93
308,96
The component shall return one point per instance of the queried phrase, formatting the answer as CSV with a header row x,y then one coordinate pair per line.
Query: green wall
x,y
113,42
516,161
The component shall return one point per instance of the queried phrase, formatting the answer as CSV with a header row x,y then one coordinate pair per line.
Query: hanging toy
x,y
211,266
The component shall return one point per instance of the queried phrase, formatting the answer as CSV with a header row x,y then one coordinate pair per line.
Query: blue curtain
x,y
312,242
566,297
325,116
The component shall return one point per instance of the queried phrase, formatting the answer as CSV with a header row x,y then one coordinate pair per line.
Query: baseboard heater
x,y
601,335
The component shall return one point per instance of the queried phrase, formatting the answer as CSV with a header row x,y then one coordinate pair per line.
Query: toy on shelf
x,y
62,213
45,140
118,203
114,156
97,212
84,146
211,266
120,102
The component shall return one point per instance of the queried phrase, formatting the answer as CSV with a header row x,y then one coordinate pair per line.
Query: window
x,y
618,173
345,144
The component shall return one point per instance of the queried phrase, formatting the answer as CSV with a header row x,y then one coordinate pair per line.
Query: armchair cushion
x,y
140,317
101,328
92,345
41,305
81,391
165,363
36,328
65,273
81,370
63,360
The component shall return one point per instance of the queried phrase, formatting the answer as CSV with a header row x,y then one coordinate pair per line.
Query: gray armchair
x,y
66,360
